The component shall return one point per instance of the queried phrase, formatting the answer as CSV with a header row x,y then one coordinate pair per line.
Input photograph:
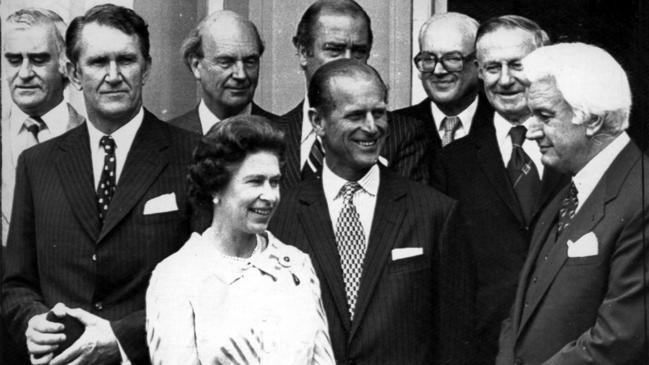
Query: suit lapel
x,y
75,171
424,113
293,130
145,161
313,216
388,214
490,160
194,121
551,183
589,215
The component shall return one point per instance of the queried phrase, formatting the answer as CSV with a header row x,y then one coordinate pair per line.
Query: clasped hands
x,y
97,344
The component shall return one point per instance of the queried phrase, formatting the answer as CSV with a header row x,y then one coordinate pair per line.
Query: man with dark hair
x,y
395,277
223,53
330,30
96,208
582,293
34,51
449,74
497,177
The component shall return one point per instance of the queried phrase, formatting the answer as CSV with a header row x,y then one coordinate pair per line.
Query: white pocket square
x,y
585,246
405,252
161,204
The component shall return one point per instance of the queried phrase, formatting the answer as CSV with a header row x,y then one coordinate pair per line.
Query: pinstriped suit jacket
x,y
57,251
410,311
406,149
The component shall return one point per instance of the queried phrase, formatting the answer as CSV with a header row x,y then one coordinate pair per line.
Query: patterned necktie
x,y
351,244
313,165
34,124
568,208
523,174
450,126
106,187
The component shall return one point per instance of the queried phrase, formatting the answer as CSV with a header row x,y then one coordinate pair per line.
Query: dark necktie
x,y
313,165
523,174
34,124
450,126
351,244
568,208
106,187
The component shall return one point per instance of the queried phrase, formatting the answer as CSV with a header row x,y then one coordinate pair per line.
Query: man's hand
x,y
97,344
44,336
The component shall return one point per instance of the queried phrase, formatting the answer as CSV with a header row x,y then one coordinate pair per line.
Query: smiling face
x,y
229,69
455,90
499,55
564,145
354,130
250,198
110,71
335,36
32,69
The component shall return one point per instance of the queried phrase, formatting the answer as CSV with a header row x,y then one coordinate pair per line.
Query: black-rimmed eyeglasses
x,y
452,61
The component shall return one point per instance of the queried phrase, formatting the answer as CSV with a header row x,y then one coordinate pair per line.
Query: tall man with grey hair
x,y
449,74
34,55
497,178
581,298
223,53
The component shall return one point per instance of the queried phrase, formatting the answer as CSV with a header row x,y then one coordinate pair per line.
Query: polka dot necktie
x,y
106,187
351,244
568,208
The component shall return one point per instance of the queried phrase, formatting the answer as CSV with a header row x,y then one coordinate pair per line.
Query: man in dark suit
x,y
34,50
449,74
330,30
395,279
98,207
223,53
498,180
581,298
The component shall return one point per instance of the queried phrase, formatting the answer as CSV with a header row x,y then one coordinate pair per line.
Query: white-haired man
x,y
581,293
34,53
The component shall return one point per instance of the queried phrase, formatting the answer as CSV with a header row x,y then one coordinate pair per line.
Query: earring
x,y
216,200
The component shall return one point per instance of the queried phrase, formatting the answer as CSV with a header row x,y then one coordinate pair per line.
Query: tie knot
x,y
34,124
108,143
348,190
518,135
572,192
450,123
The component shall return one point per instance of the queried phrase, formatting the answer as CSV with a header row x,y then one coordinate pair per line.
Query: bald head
x,y
223,54
452,84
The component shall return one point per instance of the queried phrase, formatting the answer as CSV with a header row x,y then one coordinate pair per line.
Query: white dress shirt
x,y
466,119
364,198
123,138
503,126
200,302
308,136
587,178
208,119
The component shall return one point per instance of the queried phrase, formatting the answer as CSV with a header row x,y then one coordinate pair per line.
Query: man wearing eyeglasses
x,y
497,177
222,53
449,74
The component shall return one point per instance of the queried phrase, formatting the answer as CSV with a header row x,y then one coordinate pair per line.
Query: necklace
x,y
243,260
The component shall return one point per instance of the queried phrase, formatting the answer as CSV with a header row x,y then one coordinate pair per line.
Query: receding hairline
x,y
467,26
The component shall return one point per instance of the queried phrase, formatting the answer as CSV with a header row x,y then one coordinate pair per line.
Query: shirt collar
x,y
56,120
208,119
503,126
332,183
123,136
307,128
466,115
587,178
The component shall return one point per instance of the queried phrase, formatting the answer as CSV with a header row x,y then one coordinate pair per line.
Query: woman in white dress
x,y
235,294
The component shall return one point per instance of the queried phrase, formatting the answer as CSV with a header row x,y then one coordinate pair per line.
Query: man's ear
x,y
73,74
303,53
593,125
147,71
317,122
194,65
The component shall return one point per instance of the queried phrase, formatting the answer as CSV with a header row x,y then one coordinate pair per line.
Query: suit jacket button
x,y
99,306
94,258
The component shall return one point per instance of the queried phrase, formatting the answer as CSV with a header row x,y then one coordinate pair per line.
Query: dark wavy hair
x,y
118,17
224,147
